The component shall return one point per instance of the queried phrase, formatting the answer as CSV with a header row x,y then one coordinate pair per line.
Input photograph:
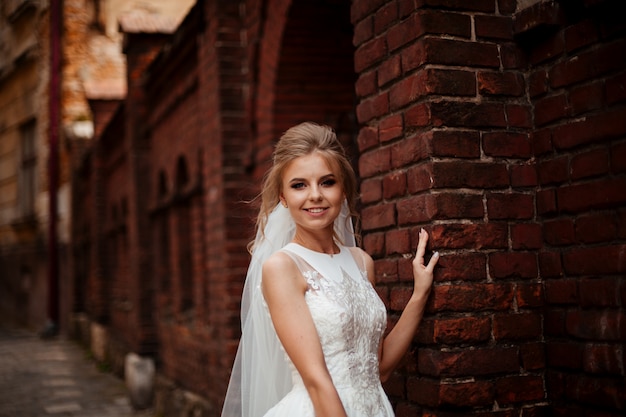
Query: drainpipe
x,y
54,113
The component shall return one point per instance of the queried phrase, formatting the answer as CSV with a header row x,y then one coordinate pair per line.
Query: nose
x,y
315,193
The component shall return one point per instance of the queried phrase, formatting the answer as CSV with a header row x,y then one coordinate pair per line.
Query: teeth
x,y
316,210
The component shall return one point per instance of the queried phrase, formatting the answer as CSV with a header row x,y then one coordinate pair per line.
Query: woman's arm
x,y
397,342
284,289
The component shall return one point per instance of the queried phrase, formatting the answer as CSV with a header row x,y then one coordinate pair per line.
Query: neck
x,y
324,245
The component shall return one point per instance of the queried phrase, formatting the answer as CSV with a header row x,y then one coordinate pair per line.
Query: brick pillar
x,y
445,146
140,49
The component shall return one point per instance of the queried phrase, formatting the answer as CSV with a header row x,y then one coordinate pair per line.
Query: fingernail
x,y
436,254
421,230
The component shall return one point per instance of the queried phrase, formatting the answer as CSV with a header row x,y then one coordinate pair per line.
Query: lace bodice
x,y
350,320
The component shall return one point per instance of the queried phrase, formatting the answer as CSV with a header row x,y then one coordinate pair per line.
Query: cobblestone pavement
x,y
56,378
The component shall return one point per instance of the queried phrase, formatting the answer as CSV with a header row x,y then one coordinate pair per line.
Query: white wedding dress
x,y
350,319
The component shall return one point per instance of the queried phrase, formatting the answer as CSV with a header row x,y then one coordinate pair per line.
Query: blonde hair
x,y
301,140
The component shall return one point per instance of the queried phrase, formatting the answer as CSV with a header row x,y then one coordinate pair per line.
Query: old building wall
x,y
24,46
497,125
577,86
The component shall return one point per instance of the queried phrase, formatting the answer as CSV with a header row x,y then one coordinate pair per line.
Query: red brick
x,y
559,232
561,291
467,114
513,265
389,70
592,129
413,56
599,292
394,185
533,356
369,53
607,325
519,115
458,174
379,216
366,84
460,267
412,149
500,83
510,206
596,227
546,202
588,65
478,5
529,295
367,138
586,98
461,53
464,394
385,17
554,323
471,297
398,242
419,178
507,144
564,355
372,108
479,361
616,89
519,389
589,164
374,244
551,47
521,326
386,270
462,330
526,236
371,190
390,128
541,141
494,27
618,158
603,359
538,83
551,109
524,175
581,34
472,236
374,162
363,31
599,194
455,143
417,116
553,171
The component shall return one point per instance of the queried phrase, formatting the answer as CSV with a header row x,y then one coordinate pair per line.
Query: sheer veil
x,y
261,375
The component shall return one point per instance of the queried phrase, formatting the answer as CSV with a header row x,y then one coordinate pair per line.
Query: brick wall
x,y
446,127
499,128
576,85
509,149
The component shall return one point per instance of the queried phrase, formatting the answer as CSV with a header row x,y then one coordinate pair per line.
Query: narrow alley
x,y
56,377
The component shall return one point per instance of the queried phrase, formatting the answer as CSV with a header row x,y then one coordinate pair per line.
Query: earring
x,y
284,204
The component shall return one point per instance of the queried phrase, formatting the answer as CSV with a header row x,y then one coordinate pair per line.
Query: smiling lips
x,y
315,210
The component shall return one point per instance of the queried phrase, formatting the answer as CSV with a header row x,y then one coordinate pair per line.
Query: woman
x,y
312,324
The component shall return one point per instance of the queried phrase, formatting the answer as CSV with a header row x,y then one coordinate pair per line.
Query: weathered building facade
x,y
54,56
498,125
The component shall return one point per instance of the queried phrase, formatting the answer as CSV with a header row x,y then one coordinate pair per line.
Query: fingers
x,y
421,250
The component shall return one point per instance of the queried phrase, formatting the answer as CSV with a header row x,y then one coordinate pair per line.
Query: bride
x,y
313,327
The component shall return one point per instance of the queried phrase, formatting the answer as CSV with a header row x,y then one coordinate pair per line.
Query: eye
x,y
297,185
329,182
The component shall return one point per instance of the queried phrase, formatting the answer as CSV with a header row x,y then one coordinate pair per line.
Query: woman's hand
x,y
423,274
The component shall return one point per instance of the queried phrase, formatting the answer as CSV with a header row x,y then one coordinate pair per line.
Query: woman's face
x,y
312,192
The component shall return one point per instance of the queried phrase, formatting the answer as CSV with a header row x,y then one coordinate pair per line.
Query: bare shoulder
x,y
280,269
